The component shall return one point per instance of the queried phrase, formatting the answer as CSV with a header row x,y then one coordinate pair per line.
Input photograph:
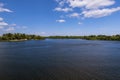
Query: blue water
x,y
68,59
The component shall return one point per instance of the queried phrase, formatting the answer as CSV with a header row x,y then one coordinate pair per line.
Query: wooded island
x,y
19,37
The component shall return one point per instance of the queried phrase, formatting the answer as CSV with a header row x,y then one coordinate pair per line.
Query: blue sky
x,y
60,17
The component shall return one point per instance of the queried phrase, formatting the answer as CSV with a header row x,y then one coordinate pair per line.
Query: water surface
x,y
60,60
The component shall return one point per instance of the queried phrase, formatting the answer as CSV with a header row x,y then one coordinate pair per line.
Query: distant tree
x,y
19,36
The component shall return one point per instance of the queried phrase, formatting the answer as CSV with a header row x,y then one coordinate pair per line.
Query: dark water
x,y
60,60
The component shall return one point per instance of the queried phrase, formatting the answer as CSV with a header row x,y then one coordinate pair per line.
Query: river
x,y
57,59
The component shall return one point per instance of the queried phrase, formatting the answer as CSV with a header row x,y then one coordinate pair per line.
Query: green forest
x,y
19,37
91,37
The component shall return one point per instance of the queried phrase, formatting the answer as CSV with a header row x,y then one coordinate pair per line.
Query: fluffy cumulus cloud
x,y
76,15
90,4
88,8
99,12
61,21
2,23
2,9
63,9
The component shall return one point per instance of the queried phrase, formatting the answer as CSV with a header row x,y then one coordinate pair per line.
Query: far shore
x,y
16,40
17,37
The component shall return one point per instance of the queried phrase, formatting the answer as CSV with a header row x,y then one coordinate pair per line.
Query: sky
x,y
60,17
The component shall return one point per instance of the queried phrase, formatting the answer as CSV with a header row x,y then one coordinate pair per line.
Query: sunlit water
x,y
60,60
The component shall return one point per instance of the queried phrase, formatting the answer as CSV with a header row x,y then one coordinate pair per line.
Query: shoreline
x,y
16,40
53,39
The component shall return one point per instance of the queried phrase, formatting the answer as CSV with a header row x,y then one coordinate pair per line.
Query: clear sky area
x,y
60,17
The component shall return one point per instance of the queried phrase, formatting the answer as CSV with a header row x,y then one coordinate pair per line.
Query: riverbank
x,y
16,37
91,37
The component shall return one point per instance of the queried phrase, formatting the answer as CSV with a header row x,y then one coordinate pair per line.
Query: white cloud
x,y
9,29
61,2
77,3
1,19
63,9
80,23
99,12
88,8
76,15
18,27
94,4
5,26
61,21
90,4
2,23
2,9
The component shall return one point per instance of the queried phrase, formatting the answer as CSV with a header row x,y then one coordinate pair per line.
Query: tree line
x,y
91,37
22,36
19,36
